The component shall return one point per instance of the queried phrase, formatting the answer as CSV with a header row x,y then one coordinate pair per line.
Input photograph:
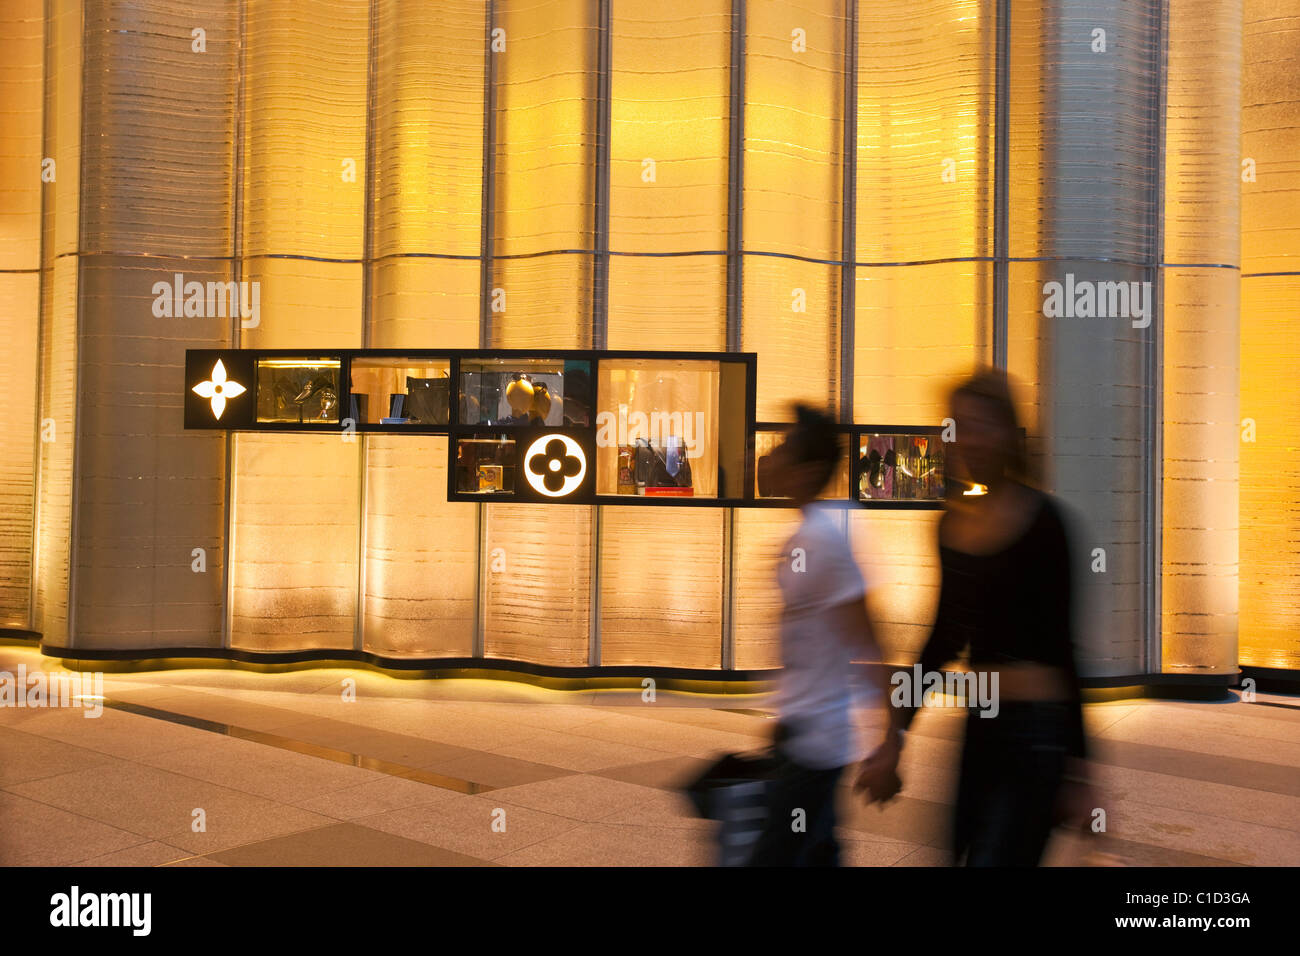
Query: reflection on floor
x,y
201,767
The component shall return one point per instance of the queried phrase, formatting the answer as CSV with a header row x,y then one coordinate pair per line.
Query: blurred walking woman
x,y
1006,594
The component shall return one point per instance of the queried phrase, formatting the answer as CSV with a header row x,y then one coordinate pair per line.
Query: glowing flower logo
x,y
218,389
555,465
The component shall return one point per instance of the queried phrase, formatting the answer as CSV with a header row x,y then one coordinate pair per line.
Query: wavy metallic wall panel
x,y
293,539
159,176
302,302
156,181
792,321
424,303
304,146
1270,345
421,555
925,129
59,347
793,179
428,127
1199,548
670,84
669,303
22,50
1081,396
149,492
1083,187
919,328
899,555
1270,477
58,412
1083,130
541,303
546,78
661,587
1201,443
20,304
537,583
758,536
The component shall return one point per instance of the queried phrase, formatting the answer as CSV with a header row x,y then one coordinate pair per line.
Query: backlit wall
x,y
863,192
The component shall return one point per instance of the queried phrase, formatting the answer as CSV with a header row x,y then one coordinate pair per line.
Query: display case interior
x,y
400,391
525,391
671,428
900,467
486,465
766,441
298,391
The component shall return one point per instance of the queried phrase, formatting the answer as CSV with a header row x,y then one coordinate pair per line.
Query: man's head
x,y
803,464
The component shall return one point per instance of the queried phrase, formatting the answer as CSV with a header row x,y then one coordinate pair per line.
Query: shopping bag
x,y
734,791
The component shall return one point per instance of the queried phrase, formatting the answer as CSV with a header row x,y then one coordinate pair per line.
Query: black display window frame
x,y
199,362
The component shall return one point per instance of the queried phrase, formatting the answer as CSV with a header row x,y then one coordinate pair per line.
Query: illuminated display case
x,y
525,391
400,390
672,428
560,426
766,439
900,467
298,390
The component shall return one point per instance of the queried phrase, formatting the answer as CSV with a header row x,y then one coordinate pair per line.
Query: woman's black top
x,y
1009,607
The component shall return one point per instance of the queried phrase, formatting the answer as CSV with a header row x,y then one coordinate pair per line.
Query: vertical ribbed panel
x,y
59,212
22,38
150,492
925,129
1083,182
899,554
668,174
1270,344
758,534
304,152
157,187
294,542
1201,367
536,582
296,507
421,570
545,131
924,193
421,551
661,587
428,174
793,175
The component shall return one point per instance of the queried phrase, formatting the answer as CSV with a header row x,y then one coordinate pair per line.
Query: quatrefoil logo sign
x,y
218,388
555,465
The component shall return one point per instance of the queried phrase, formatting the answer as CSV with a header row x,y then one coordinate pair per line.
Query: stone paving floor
x,y
281,769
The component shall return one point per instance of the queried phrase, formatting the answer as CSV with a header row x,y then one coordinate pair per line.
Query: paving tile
x,y
143,854
578,796
33,833
25,756
494,770
160,806
599,844
269,772
343,844
476,826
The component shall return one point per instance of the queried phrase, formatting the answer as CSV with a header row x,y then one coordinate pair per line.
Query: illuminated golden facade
x,y
872,196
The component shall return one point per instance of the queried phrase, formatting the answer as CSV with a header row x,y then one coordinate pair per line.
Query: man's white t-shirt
x,y
819,681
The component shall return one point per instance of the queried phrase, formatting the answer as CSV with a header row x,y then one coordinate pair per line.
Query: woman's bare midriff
x,y
1028,681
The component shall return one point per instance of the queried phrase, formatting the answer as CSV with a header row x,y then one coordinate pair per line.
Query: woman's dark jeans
x,y
1011,770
